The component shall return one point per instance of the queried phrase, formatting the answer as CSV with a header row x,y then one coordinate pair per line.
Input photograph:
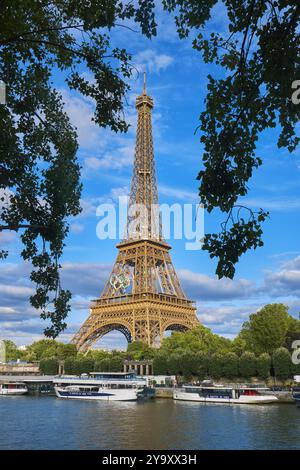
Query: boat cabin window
x,y
111,376
210,392
88,389
192,389
13,386
217,392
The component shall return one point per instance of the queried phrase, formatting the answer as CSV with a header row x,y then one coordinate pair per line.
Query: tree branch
x,y
38,31
16,227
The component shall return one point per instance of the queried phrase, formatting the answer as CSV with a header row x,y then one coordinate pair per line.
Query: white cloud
x,y
178,193
283,204
85,279
76,228
6,310
80,111
285,282
292,264
89,204
15,291
218,315
226,319
21,323
282,283
151,60
202,287
7,237
115,159
93,163
119,192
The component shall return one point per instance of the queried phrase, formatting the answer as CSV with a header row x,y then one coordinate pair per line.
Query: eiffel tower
x,y
142,297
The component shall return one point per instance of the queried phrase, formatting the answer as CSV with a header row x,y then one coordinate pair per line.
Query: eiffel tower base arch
x,y
138,319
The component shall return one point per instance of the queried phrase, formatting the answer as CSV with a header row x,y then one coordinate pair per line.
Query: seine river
x,y
51,423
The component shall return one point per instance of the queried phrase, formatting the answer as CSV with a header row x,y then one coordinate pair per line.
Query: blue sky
x,y
176,79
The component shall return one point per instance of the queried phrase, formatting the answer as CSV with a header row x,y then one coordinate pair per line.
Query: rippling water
x,y
50,423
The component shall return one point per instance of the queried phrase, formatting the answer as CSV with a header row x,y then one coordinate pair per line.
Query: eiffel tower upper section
x,y
144,195
143,264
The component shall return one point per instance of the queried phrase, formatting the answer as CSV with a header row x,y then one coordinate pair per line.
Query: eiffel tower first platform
x,y
142,297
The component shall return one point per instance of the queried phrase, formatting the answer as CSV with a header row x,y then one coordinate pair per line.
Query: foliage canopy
x,y
260,56
39,172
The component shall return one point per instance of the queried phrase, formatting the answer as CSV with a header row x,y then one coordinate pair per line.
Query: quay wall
x,y
283,396
163,392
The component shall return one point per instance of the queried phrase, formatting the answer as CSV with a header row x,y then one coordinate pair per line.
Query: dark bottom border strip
x,y
136,458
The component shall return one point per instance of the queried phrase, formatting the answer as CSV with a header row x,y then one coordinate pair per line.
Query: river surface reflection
x,y
50,423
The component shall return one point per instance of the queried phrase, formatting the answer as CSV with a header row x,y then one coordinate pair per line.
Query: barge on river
x,y
13,388
224,394
106,386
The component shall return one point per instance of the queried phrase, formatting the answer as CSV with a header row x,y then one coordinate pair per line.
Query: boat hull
x,y
11,393
247,400
105,395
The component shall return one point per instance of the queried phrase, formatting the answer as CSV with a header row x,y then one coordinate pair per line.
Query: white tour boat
x,y
225,394
108,386
13,388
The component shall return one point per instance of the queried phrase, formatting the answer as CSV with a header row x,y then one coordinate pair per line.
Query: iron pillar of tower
x,y
142,297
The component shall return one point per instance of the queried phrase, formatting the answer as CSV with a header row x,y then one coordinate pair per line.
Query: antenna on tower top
x,y
144,89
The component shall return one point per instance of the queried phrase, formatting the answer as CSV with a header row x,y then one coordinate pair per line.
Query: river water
x,y
50,423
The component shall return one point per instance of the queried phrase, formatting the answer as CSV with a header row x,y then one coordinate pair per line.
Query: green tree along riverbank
x,y
262,349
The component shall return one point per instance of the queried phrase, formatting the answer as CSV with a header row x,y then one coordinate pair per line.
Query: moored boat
x,y
13,388
224,394
107,386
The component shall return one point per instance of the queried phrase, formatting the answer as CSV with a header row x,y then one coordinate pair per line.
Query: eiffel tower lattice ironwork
x,y
143,297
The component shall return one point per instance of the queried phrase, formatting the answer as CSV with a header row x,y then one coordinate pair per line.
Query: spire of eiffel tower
x,y
144,186
142,297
